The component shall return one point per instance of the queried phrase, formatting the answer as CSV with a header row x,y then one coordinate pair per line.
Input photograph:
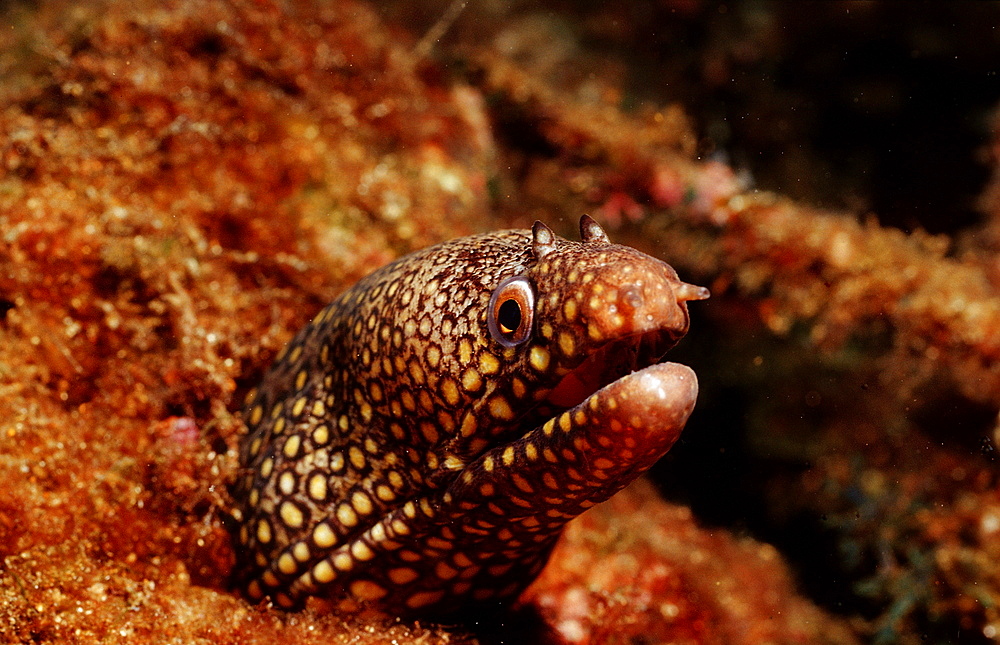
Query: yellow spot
x,y
547,330
343,422
580,417
487,490
266,468
488,363
287,564
594,331
291,448
429,432
567,344
446,421
450,391
565,422
468,425
319,409
569,309
417,373
317,487
400,527
462,560
254,590
300,379
295,354
362,551
375,391
539,357
255,415
433,356
357,457
300,551
337,462
321,435
299,406
424,598
270,579
603,463
403,575
549,480
445,572
437,543
367,590
500,409
410,510
425,506
255,446
343,561
508,455
279,425
523,484
530,451
286,482
384,493
346,515
549,427
263,532
408,401
488,464
323,573
362,503
366,412
251,395
518,387
291,515
277,410
395,479
464,351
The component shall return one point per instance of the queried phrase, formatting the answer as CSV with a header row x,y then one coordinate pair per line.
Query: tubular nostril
x,y
686,292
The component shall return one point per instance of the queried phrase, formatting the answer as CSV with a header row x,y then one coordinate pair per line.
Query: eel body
x,y
420,445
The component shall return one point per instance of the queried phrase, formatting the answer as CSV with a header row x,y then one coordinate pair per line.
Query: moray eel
x,y
420,445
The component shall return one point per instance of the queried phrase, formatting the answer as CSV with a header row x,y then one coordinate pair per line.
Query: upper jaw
x,y
610,362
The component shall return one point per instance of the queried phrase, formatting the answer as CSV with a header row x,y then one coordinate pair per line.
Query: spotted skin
x,y
420,445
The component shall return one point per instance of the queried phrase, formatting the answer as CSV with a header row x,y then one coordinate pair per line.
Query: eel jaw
x,y
611,362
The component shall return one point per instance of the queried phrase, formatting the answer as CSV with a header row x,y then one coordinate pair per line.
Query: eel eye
x,y
512,310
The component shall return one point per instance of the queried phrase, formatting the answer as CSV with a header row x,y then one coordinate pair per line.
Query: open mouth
x,y
611,362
